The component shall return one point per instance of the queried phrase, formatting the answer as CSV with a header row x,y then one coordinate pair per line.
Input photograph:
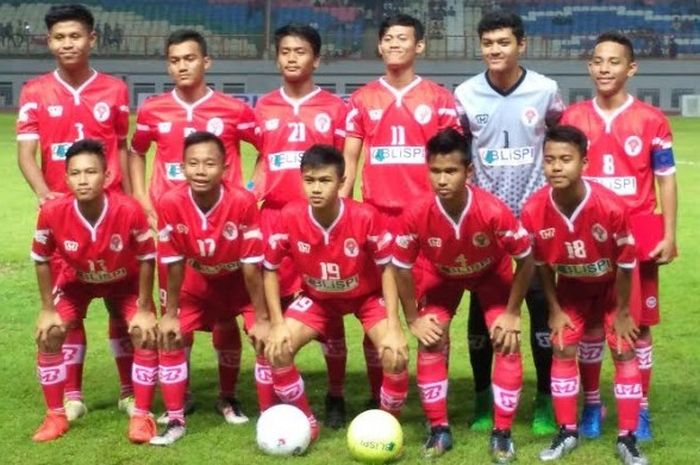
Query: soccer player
x,y
630,149
506,109
293,118
467,239
341,250
210,240
393,117
584,249
166,120
71,103
108,252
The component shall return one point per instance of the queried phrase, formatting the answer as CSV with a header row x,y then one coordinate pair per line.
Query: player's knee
x,y
54,340
391,364
644,333
623,356
568,352
139,339
594,333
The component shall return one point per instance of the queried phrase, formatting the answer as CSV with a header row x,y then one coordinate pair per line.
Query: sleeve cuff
x,y
172,259
400,264
39,258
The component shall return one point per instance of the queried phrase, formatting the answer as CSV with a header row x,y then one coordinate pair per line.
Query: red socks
x,y
123,351
289,387
144,374
628,393
506,383
264,384
590,361
227,342
172,375
374,367
432,386
74,356
51,370
393,392
643,348
565,387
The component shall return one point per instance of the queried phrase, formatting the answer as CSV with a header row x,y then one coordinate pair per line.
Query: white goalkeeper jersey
x,y
507,130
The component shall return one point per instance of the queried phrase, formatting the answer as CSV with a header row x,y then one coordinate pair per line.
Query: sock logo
x,y
628,391
543,339
144,375
433,392
290,392
73,354
564,387
506,399
51,375
334,348
263,374
229,358
644,357
391,401
173,374
590,352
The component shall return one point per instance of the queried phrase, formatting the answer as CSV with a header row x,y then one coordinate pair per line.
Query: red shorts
x,y
589,305
72,297
205,302
290,280
321,315
439,295
644,298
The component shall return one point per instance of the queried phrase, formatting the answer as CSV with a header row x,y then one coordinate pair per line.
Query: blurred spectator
x,y
672,48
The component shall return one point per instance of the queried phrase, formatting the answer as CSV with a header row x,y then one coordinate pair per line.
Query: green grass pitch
x,y
101,436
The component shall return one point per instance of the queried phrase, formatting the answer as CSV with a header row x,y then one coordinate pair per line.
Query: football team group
x,y
499,190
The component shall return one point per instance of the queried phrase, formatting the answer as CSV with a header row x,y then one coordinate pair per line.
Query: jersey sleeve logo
x,y
423,113
215,126
230,231
303,247
480,239
55,111
376,115
101,112
70,246
351,248
599,232
322,122
182,228
434,242
272,124
530,116
115,243
482,119
164,127
633,146
547,233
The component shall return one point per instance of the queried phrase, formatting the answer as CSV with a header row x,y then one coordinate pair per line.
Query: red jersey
x,y
56,114
395,126
626,149
590,244
166,120
214,243
288,127
486,232
105,252
341,262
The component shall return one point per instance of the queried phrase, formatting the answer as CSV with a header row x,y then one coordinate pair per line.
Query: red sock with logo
x,y
393,392
51,370
590,360
227,342
264,384
628,394
144,374
432,386
507,381
123,351
172,374
565,387
74,347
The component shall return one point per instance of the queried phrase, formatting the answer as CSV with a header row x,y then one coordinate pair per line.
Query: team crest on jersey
x,y
547,233
230,231
434,242
182,228
423,113
303,247
530,116
351,248
375,115
599,232
272,124
480,239
70,246
322,122
403,240
115,243
633,146
215,126
101,112
482,118
164,127
55,111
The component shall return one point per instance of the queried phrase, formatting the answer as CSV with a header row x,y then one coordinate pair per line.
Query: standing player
x,y
69,104
211,242
293,118
108,252
393,117
468,239
341,251
166,120
630,148
506,110
584,250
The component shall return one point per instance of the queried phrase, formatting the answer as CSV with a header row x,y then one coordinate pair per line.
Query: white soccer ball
x,y
283,430
375,436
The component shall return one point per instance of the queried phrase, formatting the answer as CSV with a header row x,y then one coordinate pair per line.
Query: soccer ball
x,y
283,430
375,436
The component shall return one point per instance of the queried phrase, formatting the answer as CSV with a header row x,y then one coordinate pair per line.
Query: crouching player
x,y
341,250
585,255
466,238
109,253
211,228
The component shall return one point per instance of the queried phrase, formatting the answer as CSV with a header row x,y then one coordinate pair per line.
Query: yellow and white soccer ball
x,y
375,436
283,430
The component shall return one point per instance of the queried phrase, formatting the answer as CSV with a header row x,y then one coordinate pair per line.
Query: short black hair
x,y
302,31
69,12
402,20
618,38
447,141
204,137
500,19
319,155
87,146
568,135
184,35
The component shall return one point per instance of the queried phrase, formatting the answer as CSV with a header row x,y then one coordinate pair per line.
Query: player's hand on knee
x,y
394,350
50,329
625,330
259,334
663,252
558,323
278,349
427,329
169,334
143,329
505,333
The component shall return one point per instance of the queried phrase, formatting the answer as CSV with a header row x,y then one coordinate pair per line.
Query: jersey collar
x,y
75,92
203,216
507,92
327,232
296,103
608,119
86,223
189,107
399,93
458,225
570,221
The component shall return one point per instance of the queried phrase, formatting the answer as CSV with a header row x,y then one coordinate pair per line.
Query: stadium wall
x,y
660,82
